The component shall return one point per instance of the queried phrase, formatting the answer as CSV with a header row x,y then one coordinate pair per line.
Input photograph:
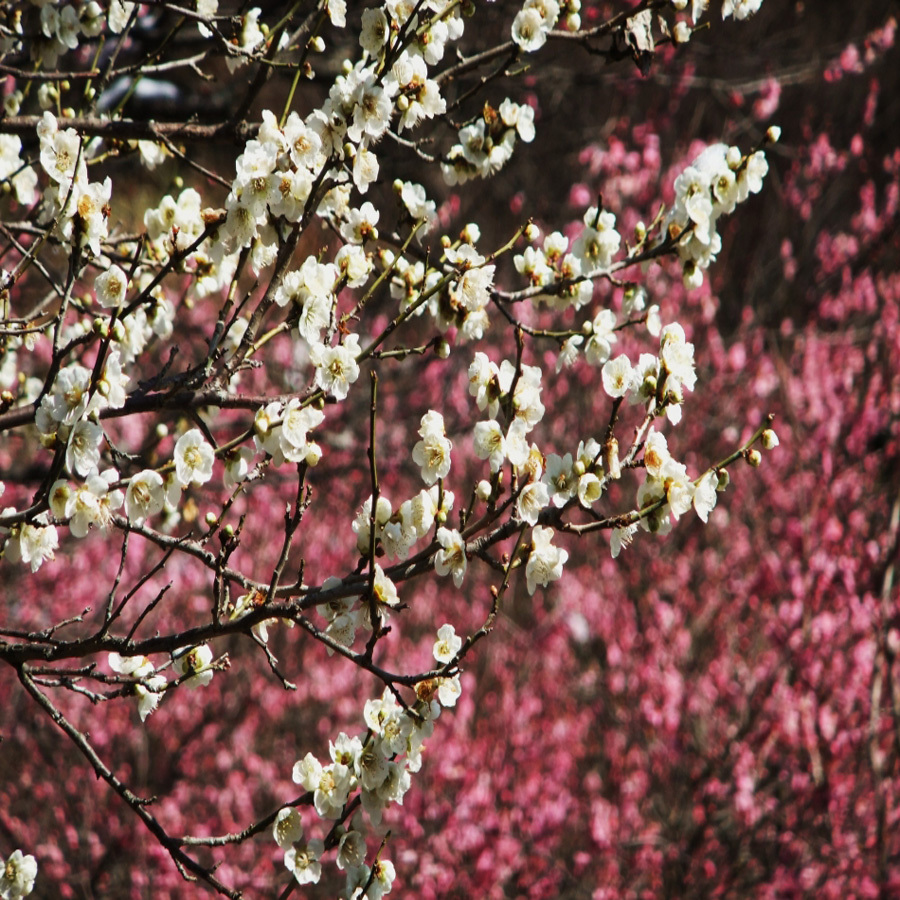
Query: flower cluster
x,y
487,143
148,687
282,300
713,185
78,207
378,765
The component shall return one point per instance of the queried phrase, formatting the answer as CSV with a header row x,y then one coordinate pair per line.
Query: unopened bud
x,y
640,232
724,480
573,21
611,458
317,44
162,430
483,490
210,519
681,33
773,134
442,349
769,439
532,232
754,457
403,103
471,233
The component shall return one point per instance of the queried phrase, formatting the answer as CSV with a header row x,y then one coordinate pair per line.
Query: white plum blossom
x,y
621,537
375,31
110,286
352,848
528,30
17,876
598,242
31,544
288,827
740,9
336,367
83,449
23,178
705,496
93,503
589,489
194,458
195,662
304,863
490,443
617,376
432,453
560,478
449,691
451,558
447,645
531,500
144,496
656,453
601,338
151,685
545,562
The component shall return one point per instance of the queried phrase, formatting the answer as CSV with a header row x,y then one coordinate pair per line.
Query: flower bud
x,y
611,458
442,349
640,232
681,33
773,134
724,480
483,490
532,232
754,457
317,44
769,439
210,519
471,233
